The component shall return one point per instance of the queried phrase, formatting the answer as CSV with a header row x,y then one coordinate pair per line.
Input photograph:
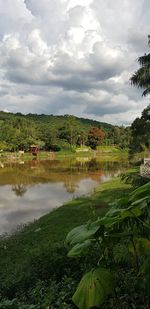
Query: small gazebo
x,y
34,150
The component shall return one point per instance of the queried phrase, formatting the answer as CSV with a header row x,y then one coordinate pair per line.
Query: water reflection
x,y
19,189
30,190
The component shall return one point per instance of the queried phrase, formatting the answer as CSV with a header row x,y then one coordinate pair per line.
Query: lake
x,y
30,189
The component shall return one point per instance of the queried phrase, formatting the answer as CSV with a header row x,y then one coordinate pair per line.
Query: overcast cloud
x,y
73,57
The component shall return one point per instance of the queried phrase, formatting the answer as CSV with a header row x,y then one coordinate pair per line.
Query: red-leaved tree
x,y
95,137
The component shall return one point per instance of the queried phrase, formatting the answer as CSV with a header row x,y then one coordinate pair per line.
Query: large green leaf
x,y
81,233
94,288
118,215
131,212
142,202
80,249
120,203
141,192
113,212
109,221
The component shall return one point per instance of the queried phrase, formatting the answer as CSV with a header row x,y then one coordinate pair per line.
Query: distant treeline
x,y
49,132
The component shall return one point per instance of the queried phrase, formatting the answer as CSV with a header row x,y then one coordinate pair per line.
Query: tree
x,y
95,137
140,132
48,135
70,131
81,139
141,78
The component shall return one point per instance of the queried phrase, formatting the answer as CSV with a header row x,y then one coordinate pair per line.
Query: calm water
x,y
31,189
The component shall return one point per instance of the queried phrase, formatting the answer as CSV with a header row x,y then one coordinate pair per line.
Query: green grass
x,y
107,150
27,255
111,149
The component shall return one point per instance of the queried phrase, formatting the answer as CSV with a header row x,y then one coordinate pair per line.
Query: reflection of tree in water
x,y
89,164
93,164
19,189
98,169
70,184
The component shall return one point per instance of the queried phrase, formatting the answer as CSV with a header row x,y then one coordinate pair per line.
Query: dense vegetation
x,y
36,272
140,129
140,132
34,267
19,132
121,242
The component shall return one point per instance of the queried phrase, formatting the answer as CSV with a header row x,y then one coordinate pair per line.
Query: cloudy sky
x,y
73,57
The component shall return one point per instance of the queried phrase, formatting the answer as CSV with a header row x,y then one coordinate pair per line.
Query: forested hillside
x,y
49,132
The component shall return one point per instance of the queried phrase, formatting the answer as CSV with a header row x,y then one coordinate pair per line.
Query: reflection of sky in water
x,y
37,201
27,194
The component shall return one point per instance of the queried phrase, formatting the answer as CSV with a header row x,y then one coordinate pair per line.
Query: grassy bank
x,y
110,151
36,255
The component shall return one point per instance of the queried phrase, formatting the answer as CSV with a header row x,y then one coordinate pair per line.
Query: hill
x,y
18,131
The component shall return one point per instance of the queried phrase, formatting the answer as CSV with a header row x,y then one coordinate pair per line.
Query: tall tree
x,y
95,137
141,78
140,132
70,131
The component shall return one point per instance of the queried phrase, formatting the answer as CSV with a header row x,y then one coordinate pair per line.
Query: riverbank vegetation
x,y
69,135
37,273
34,267
103,153
121,242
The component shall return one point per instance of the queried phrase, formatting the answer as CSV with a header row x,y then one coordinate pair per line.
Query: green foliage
x,y
141,78
19,132
81,233
95,137
120,253
123,238
140,132
34,267
140,129
94,287
80,249
133,177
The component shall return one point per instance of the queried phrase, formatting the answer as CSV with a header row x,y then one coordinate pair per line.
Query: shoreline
x,y
98,200
33,254
107,151
90,195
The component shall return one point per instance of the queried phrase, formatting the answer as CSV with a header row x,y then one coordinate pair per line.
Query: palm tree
x,y
141,78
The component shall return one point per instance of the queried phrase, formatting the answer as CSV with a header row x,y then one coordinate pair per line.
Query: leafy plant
x,y
134,178
122,239
94,288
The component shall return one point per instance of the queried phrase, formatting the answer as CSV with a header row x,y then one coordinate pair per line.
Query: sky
x,y
73,57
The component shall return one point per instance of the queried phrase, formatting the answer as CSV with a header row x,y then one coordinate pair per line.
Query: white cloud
x,y
72,56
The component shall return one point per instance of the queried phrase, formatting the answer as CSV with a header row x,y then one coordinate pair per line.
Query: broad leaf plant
x,y
121,235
